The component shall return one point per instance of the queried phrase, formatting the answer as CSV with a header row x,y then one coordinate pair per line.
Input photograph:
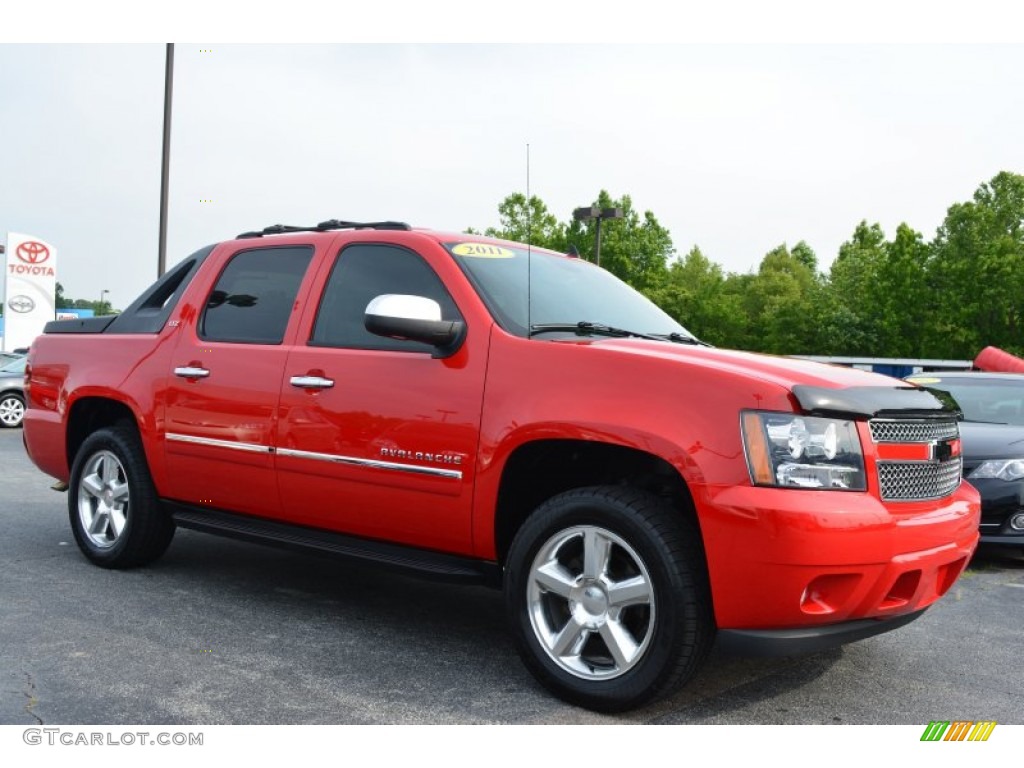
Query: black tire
x,y
12,410
115,513
634,539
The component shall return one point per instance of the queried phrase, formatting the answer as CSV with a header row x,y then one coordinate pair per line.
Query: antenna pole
x,y
529,246
529,211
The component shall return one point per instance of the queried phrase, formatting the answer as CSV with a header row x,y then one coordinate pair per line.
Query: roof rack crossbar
x,y
337,224
325,226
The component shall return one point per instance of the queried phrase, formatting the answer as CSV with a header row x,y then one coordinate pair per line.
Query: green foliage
x,y
902,297
784,298
635,248
528,223
803,253
854,319
693,291
98,307
976,271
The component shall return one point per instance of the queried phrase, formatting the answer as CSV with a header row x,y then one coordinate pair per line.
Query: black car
x,y
992,436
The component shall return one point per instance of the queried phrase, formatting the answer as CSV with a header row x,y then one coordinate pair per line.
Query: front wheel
x,y
12,410
116,516
606,591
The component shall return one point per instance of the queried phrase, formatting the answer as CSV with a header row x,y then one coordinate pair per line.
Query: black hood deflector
x,y
872,402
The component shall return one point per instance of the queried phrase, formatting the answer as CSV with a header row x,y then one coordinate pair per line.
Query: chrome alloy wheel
x,y
591,602
103,499
12,411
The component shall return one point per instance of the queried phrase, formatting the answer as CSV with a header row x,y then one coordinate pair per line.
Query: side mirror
x,y
413,318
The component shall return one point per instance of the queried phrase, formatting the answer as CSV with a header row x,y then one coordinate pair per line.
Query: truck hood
x,y
818,389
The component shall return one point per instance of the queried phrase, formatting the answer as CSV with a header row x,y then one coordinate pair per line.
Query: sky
x,y
736,145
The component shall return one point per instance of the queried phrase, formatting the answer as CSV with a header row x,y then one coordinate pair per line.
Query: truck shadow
x,y
412,637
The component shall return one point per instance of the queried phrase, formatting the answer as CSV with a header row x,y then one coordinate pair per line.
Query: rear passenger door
x,y
226,379
385,446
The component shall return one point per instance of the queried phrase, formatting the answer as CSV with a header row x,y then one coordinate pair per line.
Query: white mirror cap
x,y
404,306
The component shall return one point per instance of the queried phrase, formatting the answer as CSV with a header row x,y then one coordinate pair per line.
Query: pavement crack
x,y
30,694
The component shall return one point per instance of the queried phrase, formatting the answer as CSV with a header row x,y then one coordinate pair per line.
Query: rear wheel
x,y
606,592
116,516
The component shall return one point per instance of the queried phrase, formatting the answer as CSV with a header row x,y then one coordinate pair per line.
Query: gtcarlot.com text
x,y
72,738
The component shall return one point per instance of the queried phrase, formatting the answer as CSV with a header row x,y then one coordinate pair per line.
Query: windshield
x,y
994,401
563,291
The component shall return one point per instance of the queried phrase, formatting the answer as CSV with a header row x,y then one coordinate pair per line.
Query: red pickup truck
x,y
468,408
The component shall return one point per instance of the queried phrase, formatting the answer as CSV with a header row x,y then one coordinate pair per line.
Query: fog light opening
x,y
902,591
828,594
948,574
1017,522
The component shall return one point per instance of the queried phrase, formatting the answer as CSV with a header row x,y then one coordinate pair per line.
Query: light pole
x,y
593,212
165,165
103,293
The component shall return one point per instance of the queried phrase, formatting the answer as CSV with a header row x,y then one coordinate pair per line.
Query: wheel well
x,y
92,413
539,470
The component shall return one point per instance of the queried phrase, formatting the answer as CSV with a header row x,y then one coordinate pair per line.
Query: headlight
x,y
786,449
1003,469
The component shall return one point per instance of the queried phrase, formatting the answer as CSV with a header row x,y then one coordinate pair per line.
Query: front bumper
x,y
788,642
786,561
1002,539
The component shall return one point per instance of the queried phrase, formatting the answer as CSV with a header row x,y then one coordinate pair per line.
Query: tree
x,y
903,298
693,292
803,253
783,300
853,318
635,248
881,298
98,307
976,272
528,223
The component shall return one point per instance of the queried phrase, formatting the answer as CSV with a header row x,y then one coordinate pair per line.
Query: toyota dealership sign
x,y
31,277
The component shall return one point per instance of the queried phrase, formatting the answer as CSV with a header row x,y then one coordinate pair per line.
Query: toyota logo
x,y
21,304
32,252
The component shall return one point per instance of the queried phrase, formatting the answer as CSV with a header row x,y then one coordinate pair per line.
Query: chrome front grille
x,y
916,431
917,480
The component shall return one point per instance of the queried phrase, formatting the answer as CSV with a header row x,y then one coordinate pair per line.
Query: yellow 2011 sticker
x,y
924,380
483,251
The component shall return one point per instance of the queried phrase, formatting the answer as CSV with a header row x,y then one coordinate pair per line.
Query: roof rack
x,y
326,226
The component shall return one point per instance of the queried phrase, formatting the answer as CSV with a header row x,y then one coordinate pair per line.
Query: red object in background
x,y
995,360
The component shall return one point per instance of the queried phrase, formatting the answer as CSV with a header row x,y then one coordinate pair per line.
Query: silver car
x,y
12,393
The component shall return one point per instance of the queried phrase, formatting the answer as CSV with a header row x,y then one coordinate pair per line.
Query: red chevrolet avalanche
x,y
472,409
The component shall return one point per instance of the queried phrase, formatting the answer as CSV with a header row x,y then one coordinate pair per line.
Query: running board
x,y
435,565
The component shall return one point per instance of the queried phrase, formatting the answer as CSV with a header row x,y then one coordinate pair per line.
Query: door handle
x,y
191,372
312,382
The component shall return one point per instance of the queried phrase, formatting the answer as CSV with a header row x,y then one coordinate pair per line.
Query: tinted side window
x,y
360,274
253,298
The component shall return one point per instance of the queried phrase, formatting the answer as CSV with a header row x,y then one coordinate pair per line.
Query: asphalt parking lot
x,y
224,632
